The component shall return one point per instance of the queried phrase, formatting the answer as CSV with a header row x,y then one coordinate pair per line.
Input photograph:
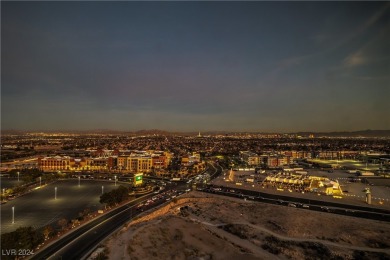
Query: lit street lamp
x,y
3,191
115,180
13,215
18,176
55,193
102,190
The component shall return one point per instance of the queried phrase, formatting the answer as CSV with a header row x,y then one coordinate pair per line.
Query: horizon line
x,y
193,131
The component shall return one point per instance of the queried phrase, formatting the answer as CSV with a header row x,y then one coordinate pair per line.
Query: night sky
x,y
195,66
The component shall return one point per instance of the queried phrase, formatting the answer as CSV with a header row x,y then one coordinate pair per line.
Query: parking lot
x,y
352,164
354,191
40,208
7,183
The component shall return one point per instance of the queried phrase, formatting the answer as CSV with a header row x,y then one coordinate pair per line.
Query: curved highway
x,y
82,240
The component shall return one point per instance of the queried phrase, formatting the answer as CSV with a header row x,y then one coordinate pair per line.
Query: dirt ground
x,y
205,226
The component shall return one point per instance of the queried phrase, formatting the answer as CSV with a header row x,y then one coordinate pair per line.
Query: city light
x,y
280,170
235,128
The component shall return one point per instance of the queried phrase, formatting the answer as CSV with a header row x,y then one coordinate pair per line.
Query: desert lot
x,y
205,226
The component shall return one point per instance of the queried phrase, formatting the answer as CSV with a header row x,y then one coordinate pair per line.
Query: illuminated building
x,y
159,162
139,164
96,164
276,161
121,162
250,158
190,159
55,163
129,161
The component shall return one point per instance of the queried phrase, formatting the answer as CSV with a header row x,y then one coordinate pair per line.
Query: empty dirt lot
x,y
204,226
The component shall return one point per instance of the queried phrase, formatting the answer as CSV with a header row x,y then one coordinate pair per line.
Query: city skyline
x,y
195,66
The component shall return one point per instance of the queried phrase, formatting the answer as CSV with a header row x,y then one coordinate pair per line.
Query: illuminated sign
x,y
138,178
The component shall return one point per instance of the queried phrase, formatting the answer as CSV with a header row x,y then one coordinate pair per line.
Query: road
x,y
307,204
78,243
316,205
40,208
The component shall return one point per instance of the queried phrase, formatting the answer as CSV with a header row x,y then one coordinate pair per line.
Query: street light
x,y
13,215
102,190
79,181
18,176
40,181
55,193
115,180
3,191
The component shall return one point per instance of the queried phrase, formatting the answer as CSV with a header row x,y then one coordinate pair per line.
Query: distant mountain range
x,y
363,133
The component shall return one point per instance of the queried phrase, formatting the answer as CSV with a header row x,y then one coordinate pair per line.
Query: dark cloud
x,y
275,66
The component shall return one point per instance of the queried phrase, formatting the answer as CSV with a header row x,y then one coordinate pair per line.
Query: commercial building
x,y
277,161
139,164
190,159
129,161
56,163
250,158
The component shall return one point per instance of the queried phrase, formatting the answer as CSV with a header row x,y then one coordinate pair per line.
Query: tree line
x,y
28,238
115,196
23,238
